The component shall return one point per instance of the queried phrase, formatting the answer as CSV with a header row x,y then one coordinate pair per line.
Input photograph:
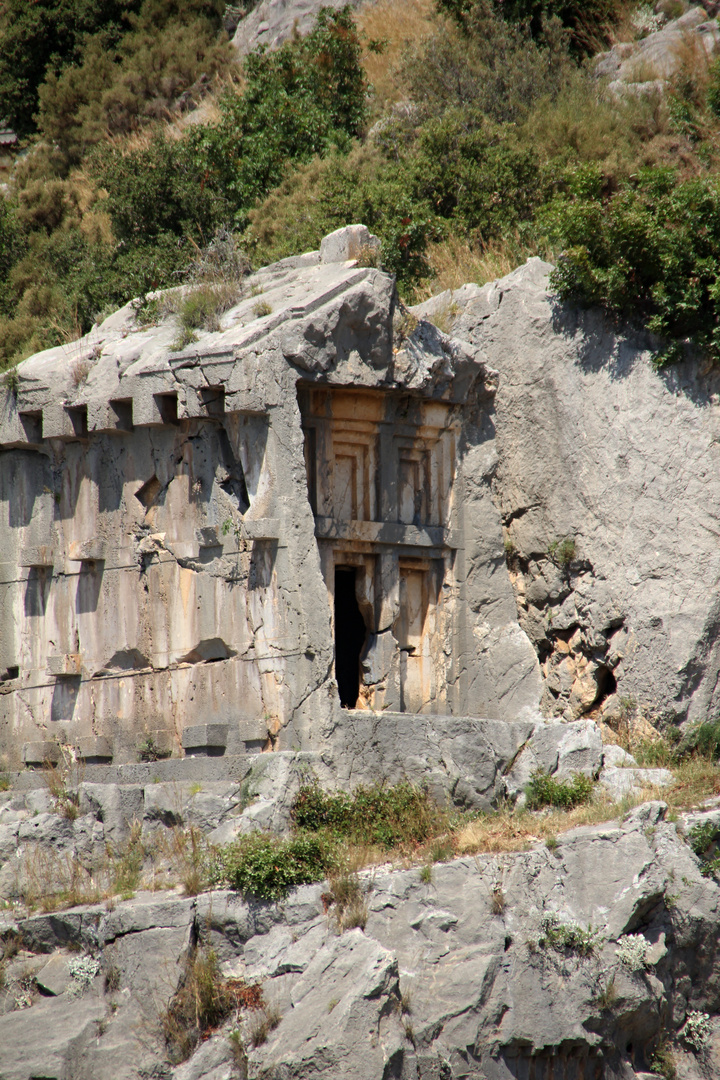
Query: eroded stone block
x,y
208,739
64,665
41,751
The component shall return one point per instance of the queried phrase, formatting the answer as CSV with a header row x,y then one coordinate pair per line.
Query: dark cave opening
x,y
350,634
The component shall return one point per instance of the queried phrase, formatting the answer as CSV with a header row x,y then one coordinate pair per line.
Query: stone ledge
x,y
253,731
92,550
40,556
64,665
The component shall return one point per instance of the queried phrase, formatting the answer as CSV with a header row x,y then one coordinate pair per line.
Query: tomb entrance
x,y
381,470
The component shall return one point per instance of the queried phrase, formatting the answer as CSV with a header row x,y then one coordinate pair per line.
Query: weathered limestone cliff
x,y
608,482
578,962
326,538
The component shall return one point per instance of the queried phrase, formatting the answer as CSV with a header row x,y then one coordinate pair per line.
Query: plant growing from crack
x,y
563,551
567,936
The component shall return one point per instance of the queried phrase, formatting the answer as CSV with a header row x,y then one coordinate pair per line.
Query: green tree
x,y
43,36
297,102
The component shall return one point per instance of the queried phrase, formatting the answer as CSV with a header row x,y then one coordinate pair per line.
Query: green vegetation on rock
x,y
380,815
544,790
489,139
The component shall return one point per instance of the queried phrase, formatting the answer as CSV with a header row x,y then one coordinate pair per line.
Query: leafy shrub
x,y
701,836
658,753
266,867
148,750
544,790
562,552
327,193
588,22
377,815
651,248
713,89
476,174
663,1060
36,36
91,64
157,191
703,840
13,245
703,740
297,102
119,85
493,68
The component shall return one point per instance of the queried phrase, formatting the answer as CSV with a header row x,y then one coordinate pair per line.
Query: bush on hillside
x,y
588,22
118,85
544,790
494,68
67,54
158,189
477,175
466,175
382,815
328,193
264,866
702,739
13,245
651,249
47,35
300,101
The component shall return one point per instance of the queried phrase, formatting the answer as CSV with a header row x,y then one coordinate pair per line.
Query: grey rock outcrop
x,y
651,63
607,481
273,22
498,965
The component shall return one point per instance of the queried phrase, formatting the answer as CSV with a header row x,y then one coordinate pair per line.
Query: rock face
x,y
652,63
575,962
607,481
274,21
209,547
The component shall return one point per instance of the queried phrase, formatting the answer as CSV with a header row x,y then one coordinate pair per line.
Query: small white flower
x,y
632,951
82,971
696,1031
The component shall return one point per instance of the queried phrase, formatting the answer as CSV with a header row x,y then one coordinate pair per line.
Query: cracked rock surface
x,y
607,483
469,972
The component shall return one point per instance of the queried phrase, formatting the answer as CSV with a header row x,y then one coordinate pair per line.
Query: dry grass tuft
x,y
696,779
518,830
203,1000
348,897
49,882
388,29
455,262
262,1023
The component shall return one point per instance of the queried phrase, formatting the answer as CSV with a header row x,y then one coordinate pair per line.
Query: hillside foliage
x,y
487,138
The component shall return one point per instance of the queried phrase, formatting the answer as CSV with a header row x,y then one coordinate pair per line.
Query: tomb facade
x,y
217,548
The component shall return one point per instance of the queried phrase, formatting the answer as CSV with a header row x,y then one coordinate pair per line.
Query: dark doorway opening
x,y
350,634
